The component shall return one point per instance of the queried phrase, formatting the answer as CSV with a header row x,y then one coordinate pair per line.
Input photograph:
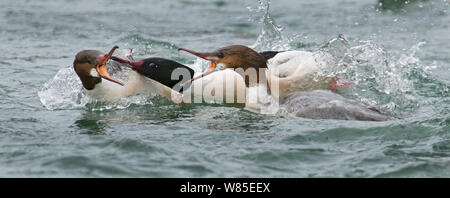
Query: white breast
x,y
224,86
295,71
109,91
298,63
136,84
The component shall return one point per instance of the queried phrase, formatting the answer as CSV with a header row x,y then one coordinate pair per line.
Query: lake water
x,y
399,57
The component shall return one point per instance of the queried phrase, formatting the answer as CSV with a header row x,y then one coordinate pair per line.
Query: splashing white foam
x,y
64,91
380,79
270,36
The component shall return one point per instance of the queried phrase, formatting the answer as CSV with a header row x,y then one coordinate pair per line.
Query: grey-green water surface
x,y
406,48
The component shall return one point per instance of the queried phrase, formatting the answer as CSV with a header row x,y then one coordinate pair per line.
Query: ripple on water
x,y
134,145
442,146
422,169
72,136
83,166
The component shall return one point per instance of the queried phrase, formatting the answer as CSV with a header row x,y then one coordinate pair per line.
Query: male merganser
x,y
317,104
164,71
91,68
161,70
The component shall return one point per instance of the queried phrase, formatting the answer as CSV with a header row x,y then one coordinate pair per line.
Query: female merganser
x,y
91,68
318,104
294,71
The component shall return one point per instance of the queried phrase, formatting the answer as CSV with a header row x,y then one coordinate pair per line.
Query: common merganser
x,y
161,70
318,104
91,68
293,70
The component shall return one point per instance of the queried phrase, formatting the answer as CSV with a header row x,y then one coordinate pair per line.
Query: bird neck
x,y
89,82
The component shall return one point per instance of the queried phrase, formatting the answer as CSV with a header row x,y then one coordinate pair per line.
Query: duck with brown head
x,y
292,71
91,68
320,104
233,57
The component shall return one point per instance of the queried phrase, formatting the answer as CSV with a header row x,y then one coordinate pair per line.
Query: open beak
x,y
199,54
101,67
206,56
207,72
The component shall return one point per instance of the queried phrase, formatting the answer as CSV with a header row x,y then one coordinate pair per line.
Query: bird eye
x,y
220,55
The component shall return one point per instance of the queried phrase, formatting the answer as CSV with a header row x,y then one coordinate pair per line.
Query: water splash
x,y
389,81
381,78
271,35
64,91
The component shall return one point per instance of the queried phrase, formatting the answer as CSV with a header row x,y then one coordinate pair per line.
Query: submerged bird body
x,y
323,104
